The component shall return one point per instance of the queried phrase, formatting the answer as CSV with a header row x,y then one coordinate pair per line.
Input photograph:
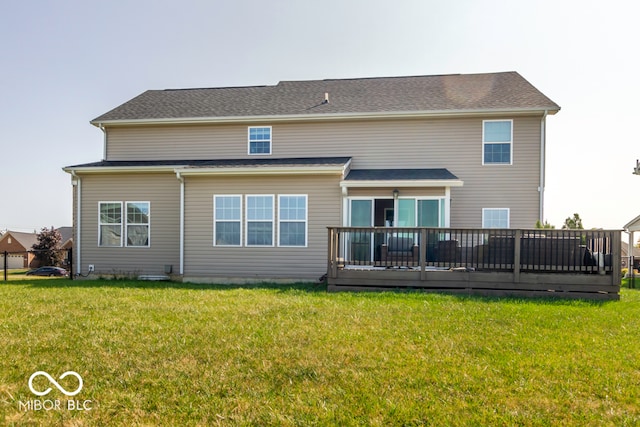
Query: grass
x,y
174,354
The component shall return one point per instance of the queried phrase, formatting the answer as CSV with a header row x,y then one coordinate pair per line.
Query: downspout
x,y
543,142
181,179
104,144
77,251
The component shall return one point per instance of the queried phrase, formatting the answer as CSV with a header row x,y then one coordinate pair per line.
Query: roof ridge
x,y
398,77
214,88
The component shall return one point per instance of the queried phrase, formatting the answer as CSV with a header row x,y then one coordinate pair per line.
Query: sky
x,y
66,62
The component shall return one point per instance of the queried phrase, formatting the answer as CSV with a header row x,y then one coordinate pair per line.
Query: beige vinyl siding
x,y
163,193
203,260
451,143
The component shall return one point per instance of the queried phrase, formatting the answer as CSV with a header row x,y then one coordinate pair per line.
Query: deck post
x,y
336,252
423,254
616,258
329,251
516,256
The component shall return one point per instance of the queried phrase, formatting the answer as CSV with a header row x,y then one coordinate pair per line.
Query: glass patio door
x,y
361,215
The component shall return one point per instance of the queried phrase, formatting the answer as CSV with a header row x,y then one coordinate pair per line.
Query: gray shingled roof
x,y
456,92
399,174
222,163
27,240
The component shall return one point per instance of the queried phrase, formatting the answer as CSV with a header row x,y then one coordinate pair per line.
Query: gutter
x,y
403,183
257,170
104,144
120,169
322,117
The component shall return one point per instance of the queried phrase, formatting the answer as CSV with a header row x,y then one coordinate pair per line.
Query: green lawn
x,y
172,354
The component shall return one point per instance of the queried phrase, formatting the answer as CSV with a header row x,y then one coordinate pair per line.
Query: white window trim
x,y
100,223
497,209
126,225
247,221
305,221
249,140
215,221
510,143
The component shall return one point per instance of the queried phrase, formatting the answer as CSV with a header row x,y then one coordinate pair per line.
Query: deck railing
x,y
536,250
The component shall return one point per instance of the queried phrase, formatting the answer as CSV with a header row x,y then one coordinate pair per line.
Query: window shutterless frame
x,y
259,140
259,220
496,217
292,220
110,224
138,224
497,142
227,220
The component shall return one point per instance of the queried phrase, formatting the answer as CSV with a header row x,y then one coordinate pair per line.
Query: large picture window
x,y
260,140
292,217
497,142
259,220
138,224
227,217
110,224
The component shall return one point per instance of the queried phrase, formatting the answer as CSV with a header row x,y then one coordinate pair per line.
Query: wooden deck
x,y
571,263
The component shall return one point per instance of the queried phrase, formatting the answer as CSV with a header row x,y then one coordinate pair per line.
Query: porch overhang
x,y
419,178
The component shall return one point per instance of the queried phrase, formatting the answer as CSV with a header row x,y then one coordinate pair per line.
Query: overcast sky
x,y
66,62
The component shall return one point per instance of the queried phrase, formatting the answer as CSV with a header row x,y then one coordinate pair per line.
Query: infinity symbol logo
x,y
55,383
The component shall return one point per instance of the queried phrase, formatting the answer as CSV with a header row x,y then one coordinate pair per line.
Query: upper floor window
x,y
260,140
495,218
497,142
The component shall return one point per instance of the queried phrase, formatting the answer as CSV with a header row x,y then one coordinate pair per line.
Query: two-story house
x,y
242,182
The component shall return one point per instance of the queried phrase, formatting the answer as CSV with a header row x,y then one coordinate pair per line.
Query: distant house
x,y
242,182
66,242
66,237
18,246
631,228
624,253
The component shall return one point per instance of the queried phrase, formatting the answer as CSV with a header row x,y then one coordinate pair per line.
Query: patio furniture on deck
x,y
400,251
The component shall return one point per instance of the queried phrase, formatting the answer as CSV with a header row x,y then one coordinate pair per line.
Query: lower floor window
x,y
110,224
258,221
136,224
293,220
495,218
227,214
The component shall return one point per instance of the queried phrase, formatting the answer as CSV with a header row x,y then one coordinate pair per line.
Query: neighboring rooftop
x,y
506,91
27,240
